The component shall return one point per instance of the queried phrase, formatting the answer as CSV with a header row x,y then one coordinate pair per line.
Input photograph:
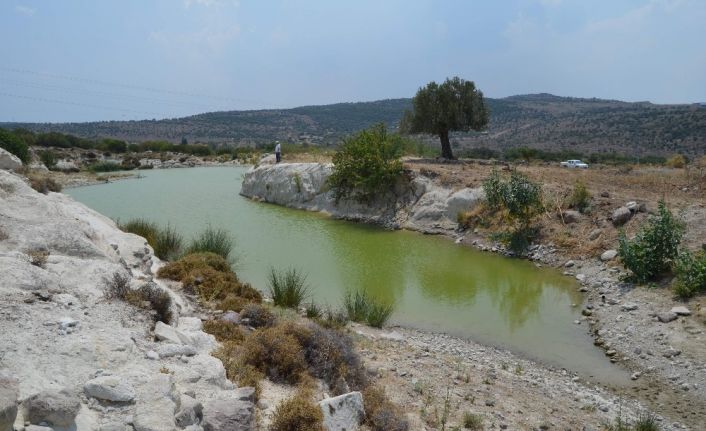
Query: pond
x,y
435,284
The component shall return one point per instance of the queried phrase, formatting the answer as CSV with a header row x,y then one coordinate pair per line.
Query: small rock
x,y
605,194
344,412
595,233
628,306
57,408
671,353
152,355
569,264
231,316
110,388
490,403
636,375
621,216
570,216
169,350
67,322
164,332
227,414
608,255
666,317
680,311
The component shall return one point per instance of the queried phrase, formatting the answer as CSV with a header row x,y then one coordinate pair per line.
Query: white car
x,y
574,164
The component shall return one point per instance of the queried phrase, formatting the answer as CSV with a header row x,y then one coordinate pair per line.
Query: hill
x,y
541,121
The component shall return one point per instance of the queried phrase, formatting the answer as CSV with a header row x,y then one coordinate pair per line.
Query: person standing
x,y
278,152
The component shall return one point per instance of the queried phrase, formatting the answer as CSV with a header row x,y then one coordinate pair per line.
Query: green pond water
x,y
434,283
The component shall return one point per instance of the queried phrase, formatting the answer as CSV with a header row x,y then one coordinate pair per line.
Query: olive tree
x,y
455,105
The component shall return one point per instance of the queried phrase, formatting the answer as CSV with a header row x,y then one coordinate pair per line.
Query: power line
x,y
116,84
86,105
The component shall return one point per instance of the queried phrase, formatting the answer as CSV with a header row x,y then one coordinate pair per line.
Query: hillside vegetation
x,y
541,121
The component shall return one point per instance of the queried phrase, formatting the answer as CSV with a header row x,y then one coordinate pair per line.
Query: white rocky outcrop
x,y
415,203
63,342
9,161
344,412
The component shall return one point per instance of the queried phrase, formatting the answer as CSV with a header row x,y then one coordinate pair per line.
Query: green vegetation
x,y
10,142
288,287
47,157
106,167
580,198
472,421
361,307
166,242
690,270
212,240
520,200
455,105
654,248
367,164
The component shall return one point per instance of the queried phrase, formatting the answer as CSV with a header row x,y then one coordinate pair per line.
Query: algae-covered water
x,y
434,283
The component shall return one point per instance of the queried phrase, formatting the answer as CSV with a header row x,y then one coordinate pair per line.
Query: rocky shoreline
x,y
636,327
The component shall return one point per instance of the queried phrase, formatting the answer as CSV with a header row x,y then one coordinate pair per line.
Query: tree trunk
x,y
445,145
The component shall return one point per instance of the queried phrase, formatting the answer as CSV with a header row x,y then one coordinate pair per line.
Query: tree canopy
x,y
455,105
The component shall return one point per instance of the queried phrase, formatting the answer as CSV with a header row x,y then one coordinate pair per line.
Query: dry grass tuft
x,y
44,184
380,413
224,330
298,413
38,257
258,316
180,269
276,352
233,303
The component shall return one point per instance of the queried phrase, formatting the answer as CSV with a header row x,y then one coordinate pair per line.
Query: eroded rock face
x,y
344,412
9,161
415,203
57,408
9,391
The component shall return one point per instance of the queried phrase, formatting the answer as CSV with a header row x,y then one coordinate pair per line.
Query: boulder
x,y
9,161
190,413
228,415
57,408
570,216
110,388
9,391
164,332
608,255
628,306
666,317
680,311
344,412
155,415
231,316
621,216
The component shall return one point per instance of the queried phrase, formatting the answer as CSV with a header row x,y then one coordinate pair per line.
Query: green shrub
x,y
148,296
212,240
276,352
494,189
654,248
168,243
312,310
690,270
106,167
287,288
47,157
13,144
472,421
521,198
297,413
645,422
141,227
367,164
580,198
361,307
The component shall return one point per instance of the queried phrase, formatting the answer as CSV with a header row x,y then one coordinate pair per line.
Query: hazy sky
x,y
132,59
